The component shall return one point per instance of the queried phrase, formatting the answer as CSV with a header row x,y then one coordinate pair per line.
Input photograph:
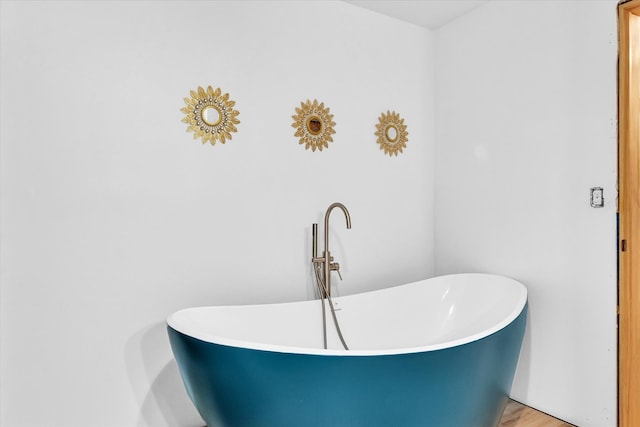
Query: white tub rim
x,y
520,304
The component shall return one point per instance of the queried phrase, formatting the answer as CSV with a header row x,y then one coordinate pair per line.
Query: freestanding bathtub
x,y
440,352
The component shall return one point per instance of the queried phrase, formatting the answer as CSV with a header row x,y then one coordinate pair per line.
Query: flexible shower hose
x,y
322,288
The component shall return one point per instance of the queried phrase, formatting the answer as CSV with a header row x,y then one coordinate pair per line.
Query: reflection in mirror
x,y
211,115
314,125
392,133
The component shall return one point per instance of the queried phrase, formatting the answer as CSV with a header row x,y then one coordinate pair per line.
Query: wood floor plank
x,y
519,415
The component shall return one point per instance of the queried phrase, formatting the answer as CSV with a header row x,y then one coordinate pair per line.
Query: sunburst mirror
x,y
210,115
314,125
392,133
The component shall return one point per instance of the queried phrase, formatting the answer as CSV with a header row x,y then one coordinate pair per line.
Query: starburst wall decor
x,y
210,115
314,125
392,133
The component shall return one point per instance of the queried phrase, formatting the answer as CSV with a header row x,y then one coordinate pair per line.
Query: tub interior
x,y
420,316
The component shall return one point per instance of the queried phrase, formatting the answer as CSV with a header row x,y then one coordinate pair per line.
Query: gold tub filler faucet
x,y
324,265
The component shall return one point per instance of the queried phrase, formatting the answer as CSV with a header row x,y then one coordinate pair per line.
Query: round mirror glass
x,y
211,115
314,125
392,133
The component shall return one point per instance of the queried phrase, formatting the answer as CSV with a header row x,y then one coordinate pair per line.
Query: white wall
x,y
526,125
113,216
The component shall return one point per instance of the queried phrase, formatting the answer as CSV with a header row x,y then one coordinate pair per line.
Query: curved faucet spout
x,y
327,260
326,221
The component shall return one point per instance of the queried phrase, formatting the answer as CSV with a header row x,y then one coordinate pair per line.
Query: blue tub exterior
x,y
463,386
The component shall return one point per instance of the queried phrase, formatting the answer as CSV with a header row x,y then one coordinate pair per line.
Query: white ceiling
x,y
430,14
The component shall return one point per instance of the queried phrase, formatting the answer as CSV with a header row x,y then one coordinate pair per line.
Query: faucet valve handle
x,y
336,267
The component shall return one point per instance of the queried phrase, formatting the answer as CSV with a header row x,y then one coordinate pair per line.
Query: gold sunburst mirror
x,y
210,115
392,133
314,125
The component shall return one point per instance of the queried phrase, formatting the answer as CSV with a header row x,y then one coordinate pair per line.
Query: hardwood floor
x,y
519,415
